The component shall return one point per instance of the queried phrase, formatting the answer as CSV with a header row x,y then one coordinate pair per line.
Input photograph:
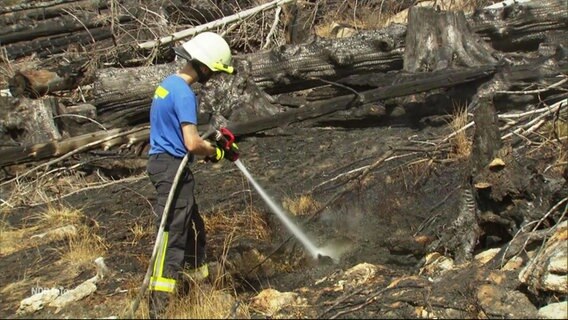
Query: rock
x,y
513,264
270,301
340,30
558,263
496,301
436,264
357,275
81,291
557,310
555,282
485,256
37,301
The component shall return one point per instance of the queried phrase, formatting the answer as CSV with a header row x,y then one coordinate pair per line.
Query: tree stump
x,y
438,40
27,122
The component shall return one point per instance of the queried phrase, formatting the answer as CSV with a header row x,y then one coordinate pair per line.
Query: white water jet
x,y
295,230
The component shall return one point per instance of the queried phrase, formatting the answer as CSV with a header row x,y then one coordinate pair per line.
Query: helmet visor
x,y
181,52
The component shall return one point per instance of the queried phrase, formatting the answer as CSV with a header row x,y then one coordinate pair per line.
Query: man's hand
x,y
219,154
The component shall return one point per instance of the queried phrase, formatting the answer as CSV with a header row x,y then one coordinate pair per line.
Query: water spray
x,y
316,253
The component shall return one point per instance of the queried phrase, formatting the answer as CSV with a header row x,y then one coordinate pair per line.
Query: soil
x,y
377,217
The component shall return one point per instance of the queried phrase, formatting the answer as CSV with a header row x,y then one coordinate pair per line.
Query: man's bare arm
x,y
194,143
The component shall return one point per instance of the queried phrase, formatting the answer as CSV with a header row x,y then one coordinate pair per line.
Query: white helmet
x,y
208,48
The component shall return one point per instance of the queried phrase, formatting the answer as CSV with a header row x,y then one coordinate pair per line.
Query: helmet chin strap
x,y
203,76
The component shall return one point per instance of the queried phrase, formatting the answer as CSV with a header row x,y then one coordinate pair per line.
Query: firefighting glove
x,y
232,153
219,154
226,141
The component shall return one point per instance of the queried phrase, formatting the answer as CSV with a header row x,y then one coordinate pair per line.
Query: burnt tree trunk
x,y
57,44
522,26
442,79
27,122
32,5
55,10
438,40
36,83
55,26
123,96
293,68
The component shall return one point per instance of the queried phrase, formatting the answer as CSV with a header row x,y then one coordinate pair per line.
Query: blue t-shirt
x,y
174,103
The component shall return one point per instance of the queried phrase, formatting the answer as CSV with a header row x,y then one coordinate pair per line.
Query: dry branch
x,y
211,25
71,146
529,127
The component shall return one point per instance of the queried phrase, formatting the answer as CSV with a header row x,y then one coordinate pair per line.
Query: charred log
x,y
123,96
309,111
57,10
521,26
27,122
55,26
320,108
103,138
36,83
292,68
57,44
32,5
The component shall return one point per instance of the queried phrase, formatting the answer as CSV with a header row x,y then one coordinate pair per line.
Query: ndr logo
x,y
60,290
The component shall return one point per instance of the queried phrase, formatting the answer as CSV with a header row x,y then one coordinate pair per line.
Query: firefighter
x,y
173,133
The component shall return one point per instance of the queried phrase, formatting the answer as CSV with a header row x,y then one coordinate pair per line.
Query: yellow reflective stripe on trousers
x,y
199,273
162,284
157,282
161,256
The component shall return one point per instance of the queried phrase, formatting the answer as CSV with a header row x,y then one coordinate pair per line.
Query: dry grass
x,y
207,303
16,239
301,206
139,231
6,68
555,129
249,222
83,248
460,142
556,134
13,240
213,298
57,215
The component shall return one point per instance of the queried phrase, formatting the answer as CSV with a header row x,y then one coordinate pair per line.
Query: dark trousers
x,y
184,230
